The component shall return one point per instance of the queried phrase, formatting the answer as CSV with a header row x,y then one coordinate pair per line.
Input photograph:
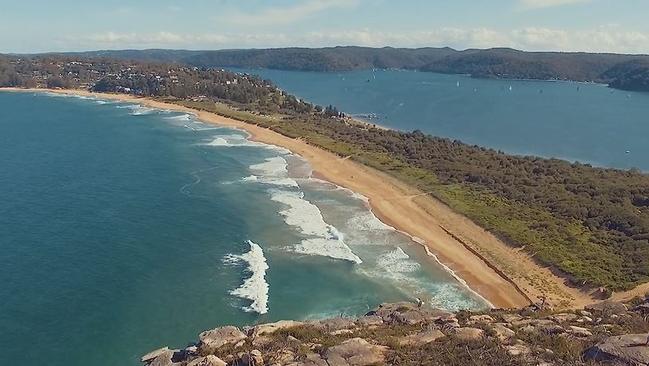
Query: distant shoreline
x,y
494,271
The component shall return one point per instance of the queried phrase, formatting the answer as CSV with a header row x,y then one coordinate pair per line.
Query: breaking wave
x,y
255,287
236,140
323,239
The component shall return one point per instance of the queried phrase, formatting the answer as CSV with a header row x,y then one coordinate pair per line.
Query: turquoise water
x,y
573,121
123,229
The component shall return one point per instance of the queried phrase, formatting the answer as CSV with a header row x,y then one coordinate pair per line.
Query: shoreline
x,y
503,276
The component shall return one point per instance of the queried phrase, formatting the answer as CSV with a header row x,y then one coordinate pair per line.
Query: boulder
x,y
420,339
261,341
164,359
409,313
216,338
502,332
609,307
532,321
153,354
252,358
283,357
355,352
551,329
518,350
510,318
469,334
369,321
480,319
579,331
563,317
311,359
585,313
643,309
210,360
630,349
266,329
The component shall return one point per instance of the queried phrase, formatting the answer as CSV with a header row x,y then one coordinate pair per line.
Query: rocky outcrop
x,y
406,334
355,352
629,349
214,339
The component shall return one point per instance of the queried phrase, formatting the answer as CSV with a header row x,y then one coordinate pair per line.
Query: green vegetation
x,y
591,224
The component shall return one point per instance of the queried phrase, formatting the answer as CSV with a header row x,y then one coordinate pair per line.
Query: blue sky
x,y
563,25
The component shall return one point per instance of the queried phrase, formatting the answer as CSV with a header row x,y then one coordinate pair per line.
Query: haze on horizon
x,y
33,26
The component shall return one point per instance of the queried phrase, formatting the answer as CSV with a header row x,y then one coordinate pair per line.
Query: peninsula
x,y
516,229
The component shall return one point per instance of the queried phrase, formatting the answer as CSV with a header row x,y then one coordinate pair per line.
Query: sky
x,y
30,26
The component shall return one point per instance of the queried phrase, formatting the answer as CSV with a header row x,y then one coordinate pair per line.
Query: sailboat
x,y
511,88
458,84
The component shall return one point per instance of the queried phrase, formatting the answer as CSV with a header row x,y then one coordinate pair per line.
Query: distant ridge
x,y
628,72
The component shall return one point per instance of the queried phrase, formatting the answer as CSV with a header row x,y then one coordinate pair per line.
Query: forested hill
x,y
630,72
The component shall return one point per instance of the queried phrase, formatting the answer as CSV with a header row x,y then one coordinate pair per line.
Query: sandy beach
x,y
505,276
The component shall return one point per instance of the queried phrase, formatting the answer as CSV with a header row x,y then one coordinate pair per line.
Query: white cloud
x,y
283,15
537,4
603,39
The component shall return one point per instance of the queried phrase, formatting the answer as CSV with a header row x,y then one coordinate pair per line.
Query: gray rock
x,y
579,331
630,349
469,334
266,329
642,309
261,341
420,339
153,354
369,321
283,357
216,338
563,317
311,359
502,332
510,318
518,350
355,352
480,319
164,359
585,313
609,307
252,358
210,360
409,313
585,319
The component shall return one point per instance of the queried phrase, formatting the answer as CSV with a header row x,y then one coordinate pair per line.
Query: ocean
x,y
125,228
582,122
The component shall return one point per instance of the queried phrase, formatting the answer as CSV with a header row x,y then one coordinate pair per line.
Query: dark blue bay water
x,y
573,121
123,229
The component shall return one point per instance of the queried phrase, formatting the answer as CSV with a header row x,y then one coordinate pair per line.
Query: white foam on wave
x,y
181,117
139,110
367,221
275,166
326,183
273,171
254,288
322,239
236,140
69,95
397,261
